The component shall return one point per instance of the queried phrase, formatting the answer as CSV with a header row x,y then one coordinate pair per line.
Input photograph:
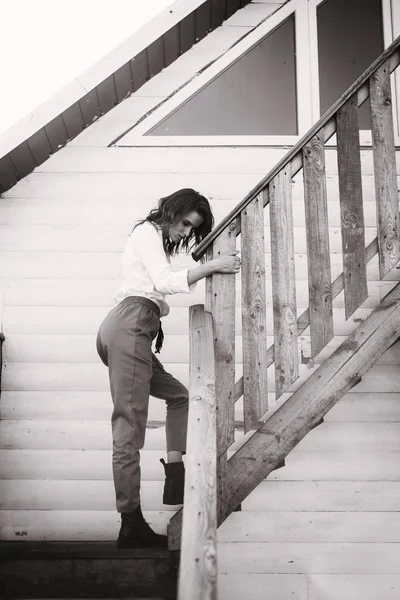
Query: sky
x,y
44,44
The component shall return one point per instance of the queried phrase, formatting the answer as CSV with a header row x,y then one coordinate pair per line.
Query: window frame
x,y
137,136
389,34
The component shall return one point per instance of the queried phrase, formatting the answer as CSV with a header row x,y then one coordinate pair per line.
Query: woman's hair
x,y
174,207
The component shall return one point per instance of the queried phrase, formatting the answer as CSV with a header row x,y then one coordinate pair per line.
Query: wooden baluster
x,y
351,206
254,330
317,232
198,567
387,202
283,281
208,304
223,311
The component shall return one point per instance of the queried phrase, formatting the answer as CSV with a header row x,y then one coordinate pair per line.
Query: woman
x,y
124,342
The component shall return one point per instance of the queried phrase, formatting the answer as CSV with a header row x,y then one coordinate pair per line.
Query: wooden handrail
x,y
294,155
198,567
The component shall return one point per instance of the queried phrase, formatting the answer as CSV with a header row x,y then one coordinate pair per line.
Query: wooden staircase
x,y
275,433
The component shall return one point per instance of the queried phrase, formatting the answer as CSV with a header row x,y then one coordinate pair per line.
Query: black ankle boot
x,y
174,482
135,532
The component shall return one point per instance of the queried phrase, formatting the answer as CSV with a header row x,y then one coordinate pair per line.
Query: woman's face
x,y
183,226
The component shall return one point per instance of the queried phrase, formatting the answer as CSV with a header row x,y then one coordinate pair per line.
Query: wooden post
x,y
387,202
351,206
283,281
198,565
254,329
317,232
223,312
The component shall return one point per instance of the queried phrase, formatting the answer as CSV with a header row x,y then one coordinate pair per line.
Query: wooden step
x,y
85,570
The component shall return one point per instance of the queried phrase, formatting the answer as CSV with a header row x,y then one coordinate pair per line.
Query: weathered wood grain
x,y
77,495
285,495
50,406
223,312
387,202
96,435
298,415
311,527
319,268
283,282
78,465
254,327
91,570
351,206
339,558
198,565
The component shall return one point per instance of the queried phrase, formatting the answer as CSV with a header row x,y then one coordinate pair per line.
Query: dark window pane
x,y
254,96
350,38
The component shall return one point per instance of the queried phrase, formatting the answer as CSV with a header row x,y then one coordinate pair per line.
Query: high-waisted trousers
x,y
124,345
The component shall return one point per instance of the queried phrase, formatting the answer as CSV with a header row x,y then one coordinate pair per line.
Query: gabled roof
x,y
123,71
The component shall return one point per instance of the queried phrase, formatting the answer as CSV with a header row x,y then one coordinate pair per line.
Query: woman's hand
x,y
229,263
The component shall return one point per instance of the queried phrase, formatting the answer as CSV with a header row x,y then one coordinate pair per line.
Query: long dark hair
x,y
175,206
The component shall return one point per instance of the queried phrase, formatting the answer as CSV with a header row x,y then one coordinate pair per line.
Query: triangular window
x,y
256,95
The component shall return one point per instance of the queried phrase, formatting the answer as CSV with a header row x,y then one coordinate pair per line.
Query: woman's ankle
x,y
174,456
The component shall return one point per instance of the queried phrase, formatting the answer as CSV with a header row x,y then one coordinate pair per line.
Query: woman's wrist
x,y
200,272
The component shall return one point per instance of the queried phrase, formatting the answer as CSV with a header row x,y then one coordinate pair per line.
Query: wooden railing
x,y
265,449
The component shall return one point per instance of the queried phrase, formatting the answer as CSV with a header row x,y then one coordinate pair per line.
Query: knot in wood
x,y
308,151
353,218
387,102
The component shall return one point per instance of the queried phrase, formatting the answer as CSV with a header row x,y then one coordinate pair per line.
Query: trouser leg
x,y
124,341
165,386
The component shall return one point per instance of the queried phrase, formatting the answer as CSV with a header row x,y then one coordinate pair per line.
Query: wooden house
x,y
255,105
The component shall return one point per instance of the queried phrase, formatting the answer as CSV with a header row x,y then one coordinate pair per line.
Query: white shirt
x,y
147,271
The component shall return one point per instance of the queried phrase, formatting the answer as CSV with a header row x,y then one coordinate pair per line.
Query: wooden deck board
x,y
96,406
76,320
76,570
312,558
330,465
249,528
96,435
280,496
312,587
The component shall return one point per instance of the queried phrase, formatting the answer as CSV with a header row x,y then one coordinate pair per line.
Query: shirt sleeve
x,y
149,249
